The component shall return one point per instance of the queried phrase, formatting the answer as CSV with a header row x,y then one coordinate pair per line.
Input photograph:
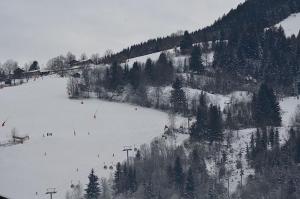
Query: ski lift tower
x,y
127,149
51,191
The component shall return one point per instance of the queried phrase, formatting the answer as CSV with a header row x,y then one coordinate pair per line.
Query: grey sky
x,y
41,29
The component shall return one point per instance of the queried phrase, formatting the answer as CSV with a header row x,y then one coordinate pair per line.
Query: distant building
x,y
81,63
18,73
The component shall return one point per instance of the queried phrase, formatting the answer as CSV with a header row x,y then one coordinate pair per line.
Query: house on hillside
x,y
18,73
82,63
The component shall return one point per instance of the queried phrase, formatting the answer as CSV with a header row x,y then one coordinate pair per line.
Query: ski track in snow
x,y
42,106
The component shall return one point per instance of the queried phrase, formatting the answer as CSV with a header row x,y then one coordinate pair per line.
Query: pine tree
x,y
149,71
215,124
186,43
178,174
135,75
189,186
199,129
34,66
276,139
178,99
93,189
266,110
196,64
271,137
164,70
297,153
132,179
117,179
115,76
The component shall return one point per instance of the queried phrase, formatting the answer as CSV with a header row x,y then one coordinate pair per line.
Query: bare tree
x,y
73,88
70,57
95,58
9,66
83,56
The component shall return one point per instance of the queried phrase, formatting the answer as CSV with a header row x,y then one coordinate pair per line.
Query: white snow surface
x,y
42,106
177,59
291,24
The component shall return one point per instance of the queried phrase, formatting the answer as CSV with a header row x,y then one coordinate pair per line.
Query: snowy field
x,y
291,25
40,107
80,141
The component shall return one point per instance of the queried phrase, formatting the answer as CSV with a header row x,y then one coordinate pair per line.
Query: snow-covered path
x,y
42,106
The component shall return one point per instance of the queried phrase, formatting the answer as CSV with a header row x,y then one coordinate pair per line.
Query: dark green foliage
x,y
266,110
117,179
135,75
186,42
215,126
196,64
114,77
189,186
178,99
93,189
276,170
149,71
164,70
297,152
178,175
200,128
34,66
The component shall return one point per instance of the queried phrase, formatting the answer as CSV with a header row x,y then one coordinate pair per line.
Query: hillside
x,y
258,13
291,24
42,106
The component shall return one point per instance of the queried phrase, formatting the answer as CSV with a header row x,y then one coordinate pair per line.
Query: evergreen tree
x,y
132,179
135,75
178,99
189,186
93,189
196,64
178,174
266,110
215,124
149,71
186,43
164,70
34,66
117,179
271,137
276,139
199,128
297,153
115,76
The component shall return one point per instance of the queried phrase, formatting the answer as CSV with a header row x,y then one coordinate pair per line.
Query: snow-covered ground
x,y
42,106
291,25
177,59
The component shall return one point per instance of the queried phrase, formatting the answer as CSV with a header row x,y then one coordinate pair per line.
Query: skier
x,y
74,133
3,123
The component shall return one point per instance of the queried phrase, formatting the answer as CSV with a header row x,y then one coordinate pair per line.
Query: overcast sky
x,y
41,29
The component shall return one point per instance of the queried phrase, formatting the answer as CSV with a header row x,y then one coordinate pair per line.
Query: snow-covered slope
x,y
177,59
41,162
291,25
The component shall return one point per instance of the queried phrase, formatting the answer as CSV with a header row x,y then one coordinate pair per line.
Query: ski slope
x,y
291,25
42,106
